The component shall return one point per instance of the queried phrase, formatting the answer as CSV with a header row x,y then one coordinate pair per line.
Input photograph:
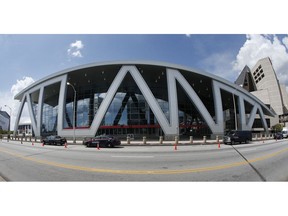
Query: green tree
x,y
277,128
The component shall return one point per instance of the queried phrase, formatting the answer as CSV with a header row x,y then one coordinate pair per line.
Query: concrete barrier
x,y
191,139
144,140
217,139
176,140
204,139
161,139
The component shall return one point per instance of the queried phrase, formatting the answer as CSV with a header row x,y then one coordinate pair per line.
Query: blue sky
x,y
37,56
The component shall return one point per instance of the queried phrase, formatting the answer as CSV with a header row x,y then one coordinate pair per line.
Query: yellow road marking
x,y
134,172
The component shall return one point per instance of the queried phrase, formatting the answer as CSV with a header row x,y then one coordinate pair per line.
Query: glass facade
x,y
129,112
50,109
35,100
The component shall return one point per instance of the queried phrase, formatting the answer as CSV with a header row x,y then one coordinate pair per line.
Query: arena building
x,y
142,98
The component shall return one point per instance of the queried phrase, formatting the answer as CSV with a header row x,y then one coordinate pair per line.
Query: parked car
x,y
285,133
102,141
278,135
87,140
237,136
54,140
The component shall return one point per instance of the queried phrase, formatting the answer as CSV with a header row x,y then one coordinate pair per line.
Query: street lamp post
x,y
235,114
74,116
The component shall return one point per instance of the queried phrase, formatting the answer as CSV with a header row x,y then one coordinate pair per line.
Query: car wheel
x,y
108,145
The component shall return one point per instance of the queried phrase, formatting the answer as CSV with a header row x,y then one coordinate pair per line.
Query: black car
x,y
237,136
102,141
54,140
278,135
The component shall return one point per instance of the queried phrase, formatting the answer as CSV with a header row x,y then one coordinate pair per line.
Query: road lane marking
x,y
143,172
131,156
247,150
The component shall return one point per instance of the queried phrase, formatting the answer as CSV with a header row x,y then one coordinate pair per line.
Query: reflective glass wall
x,y
50,109
129,112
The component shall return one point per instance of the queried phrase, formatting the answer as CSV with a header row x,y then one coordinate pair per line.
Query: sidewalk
x,y
170,143
157,142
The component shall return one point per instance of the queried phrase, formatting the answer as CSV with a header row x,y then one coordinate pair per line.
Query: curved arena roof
x,y
177,75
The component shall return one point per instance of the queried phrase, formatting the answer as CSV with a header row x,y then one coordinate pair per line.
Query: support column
x,y
242,115
19,114
40,111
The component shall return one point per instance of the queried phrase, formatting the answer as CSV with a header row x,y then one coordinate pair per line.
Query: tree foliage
x,y
277,127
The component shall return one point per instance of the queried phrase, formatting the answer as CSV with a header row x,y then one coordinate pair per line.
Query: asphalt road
x,y
256,161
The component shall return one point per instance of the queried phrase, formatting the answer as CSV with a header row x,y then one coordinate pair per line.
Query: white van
x,y
285,132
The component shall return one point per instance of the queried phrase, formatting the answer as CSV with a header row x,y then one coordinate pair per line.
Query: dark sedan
x,y
54,140
102,141
278,135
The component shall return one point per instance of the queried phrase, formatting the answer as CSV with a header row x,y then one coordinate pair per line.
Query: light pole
x,y
9,118
74,116
235,114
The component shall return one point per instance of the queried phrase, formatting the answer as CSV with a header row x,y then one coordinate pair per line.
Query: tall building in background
x,y
25,129
4,120
262,82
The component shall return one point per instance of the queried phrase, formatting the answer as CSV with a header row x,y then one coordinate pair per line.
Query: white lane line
x,y
246,150
131,156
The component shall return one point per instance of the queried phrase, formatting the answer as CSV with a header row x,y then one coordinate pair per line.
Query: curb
x,y
169,143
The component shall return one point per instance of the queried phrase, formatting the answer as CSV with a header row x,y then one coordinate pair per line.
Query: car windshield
x,y
230,133
103,137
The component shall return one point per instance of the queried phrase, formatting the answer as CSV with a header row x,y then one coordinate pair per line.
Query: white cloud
x,y
261,46
218,64
21,84
77,54
7,98
74,49
78,45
